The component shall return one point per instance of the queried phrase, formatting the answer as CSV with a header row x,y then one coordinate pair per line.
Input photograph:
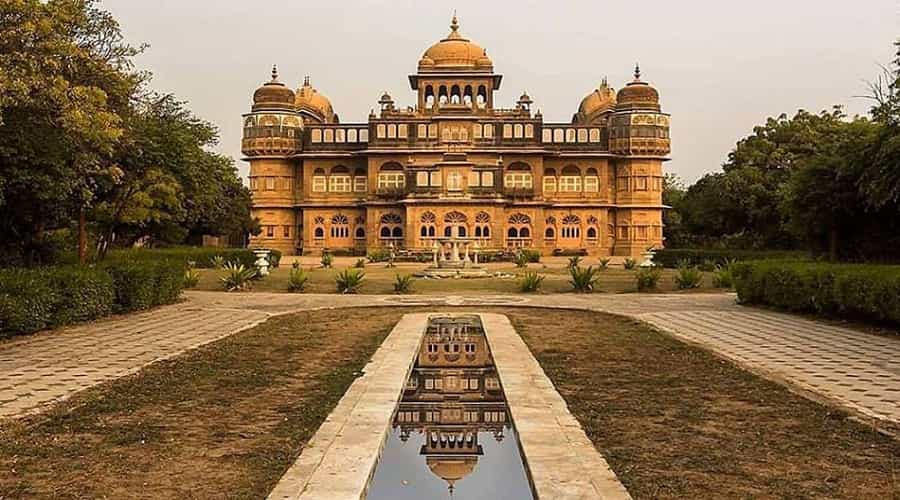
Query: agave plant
x,y
360,263
298,279
521,259
191,276
604,263
574,261
217,262
688,276
630,263
584,279
531,282
647,278
403,283
327,260
237,277
349,281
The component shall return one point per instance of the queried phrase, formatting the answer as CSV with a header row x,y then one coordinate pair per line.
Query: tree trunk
x,y
833,244
82,237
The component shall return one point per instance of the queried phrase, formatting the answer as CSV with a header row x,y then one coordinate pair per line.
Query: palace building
x,y
457,164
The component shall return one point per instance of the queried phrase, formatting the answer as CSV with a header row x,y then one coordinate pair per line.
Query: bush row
x,y
853,291
201,256
48,297
671,258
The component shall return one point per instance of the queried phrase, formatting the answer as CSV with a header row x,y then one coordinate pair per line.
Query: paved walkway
x,y
851,368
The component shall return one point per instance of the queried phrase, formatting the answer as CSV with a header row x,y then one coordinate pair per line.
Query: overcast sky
x,y
721,67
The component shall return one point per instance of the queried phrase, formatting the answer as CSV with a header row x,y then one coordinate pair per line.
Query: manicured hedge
x,y
200,256
48,297
709,257
853,291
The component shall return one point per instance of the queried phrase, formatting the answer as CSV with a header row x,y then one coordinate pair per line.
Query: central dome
x,y
455,53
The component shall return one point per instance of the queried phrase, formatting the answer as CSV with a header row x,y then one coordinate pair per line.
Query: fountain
x,y
455,257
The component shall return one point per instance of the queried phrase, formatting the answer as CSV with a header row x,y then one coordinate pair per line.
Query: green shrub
x,y
574,261
403,284
723,275
688,277
217,262
298,279
28,301
707,265
630,263
647,278
191,275
531,256
274,258
604,263
853,291
360,263
349,281
521,259
202,256
531,282
584,279
698,256
144,284
382,255
237,277
327,260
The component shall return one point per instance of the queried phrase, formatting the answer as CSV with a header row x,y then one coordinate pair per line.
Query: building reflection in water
x,y
452,401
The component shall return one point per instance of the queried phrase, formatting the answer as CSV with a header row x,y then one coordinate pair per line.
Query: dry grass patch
x,y
674,421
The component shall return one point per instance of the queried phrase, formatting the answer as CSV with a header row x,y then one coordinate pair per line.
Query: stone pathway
x,y
854,369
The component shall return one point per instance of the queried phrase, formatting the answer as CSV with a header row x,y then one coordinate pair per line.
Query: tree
x,y
65,72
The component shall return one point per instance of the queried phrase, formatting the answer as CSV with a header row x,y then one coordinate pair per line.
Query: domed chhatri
x,y
450,168
315,104
638,95
602,99
455,52
273,95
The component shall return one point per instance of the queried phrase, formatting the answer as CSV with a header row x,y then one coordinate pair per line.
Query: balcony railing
x,y
393,192
518,192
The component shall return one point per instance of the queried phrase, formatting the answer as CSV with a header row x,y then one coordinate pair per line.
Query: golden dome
x,y
638,95
273,95
601,99
455,52
451,469
313,102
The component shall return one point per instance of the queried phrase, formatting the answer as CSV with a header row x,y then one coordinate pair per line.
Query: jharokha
x,y
455,164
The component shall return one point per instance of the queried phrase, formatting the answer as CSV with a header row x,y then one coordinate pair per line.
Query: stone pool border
x,y
339,460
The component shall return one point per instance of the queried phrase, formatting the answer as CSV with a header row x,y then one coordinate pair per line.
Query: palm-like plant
x,y
688,276
217,262
531,282
521,259
237,277
584,279
604,263
191,276
360,263
327,260
630,263
574,261
349,281
647,278
298,279
403,283
723,275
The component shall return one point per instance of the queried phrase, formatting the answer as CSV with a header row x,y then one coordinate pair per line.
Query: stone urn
x,y
648,258
262,262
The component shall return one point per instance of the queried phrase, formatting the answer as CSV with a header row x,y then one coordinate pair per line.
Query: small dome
x,y
313,102
455,52
638,95
451,469
273,95
603,98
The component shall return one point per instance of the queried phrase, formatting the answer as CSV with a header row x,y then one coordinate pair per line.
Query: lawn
x,y
380,279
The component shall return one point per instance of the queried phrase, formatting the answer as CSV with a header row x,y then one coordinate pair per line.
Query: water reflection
x,y
452,434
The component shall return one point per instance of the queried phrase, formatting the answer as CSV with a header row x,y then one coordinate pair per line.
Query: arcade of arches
x,y
454,164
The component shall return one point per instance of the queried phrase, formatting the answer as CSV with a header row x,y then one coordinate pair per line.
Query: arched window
x,y
518,176
550,233
340,226
592,233
482,225
397,232
512,232
385,232
549,180
429,96
391,176
319,181
457,220
428,221
339,180
360,233
319,233
524,232
481,97
570,180
455,96
571,227
518,232
591,181
442,95
390,226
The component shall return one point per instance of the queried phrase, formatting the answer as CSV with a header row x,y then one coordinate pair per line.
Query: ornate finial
x,y
454,24
604,83
637,71
274,72
306,81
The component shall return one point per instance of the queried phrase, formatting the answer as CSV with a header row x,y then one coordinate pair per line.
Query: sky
x,y
721,67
